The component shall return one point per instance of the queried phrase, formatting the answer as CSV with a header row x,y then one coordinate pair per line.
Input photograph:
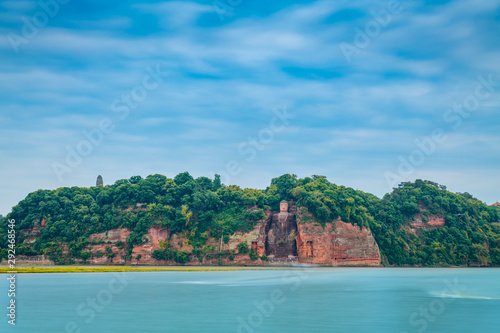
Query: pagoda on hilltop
x,y
496,204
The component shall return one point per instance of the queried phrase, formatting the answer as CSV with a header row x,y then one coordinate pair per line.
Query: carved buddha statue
x,y
281,237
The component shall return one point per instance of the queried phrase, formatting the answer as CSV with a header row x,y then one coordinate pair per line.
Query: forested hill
x,y
419,223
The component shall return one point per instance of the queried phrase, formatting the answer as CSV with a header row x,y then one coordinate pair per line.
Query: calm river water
x,y
310,300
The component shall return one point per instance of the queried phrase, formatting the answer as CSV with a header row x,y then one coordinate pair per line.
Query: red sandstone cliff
x,y
156,236
100,241
255,239
433,221
336,244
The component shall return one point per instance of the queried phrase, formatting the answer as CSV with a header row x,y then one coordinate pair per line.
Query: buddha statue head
x,y
283,206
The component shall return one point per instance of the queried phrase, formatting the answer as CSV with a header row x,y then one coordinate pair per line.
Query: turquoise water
x,y
311,300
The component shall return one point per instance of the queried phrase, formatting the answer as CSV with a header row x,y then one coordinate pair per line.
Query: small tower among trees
x,y
99,181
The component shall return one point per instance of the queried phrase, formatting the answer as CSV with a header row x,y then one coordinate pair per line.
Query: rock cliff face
x,y
112,235
315,243
255,239
30,235
433,221
336,244
285,237
154,236
100,242
354,246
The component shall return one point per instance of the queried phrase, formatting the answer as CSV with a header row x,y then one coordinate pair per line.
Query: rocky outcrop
x,y
115,240
336,244
354,246
432,221
137,207
315,243
180,243
255,239
141,254
158,235
112,235
101,242
30,235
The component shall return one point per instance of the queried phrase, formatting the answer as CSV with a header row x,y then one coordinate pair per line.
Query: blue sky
x,y
227,71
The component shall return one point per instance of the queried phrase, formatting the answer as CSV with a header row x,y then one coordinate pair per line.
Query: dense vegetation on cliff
x,y
201,208
470,236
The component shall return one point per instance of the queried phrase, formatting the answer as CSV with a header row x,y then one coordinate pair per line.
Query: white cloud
x,y
176,14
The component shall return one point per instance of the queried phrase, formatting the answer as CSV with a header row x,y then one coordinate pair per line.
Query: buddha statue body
x,y
282,231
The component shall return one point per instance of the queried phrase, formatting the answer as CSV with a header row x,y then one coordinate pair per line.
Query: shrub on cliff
x,y
181,257
242,248
164,254
253,255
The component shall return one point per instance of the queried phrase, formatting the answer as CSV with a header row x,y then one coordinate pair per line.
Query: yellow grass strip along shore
x,y
81,269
